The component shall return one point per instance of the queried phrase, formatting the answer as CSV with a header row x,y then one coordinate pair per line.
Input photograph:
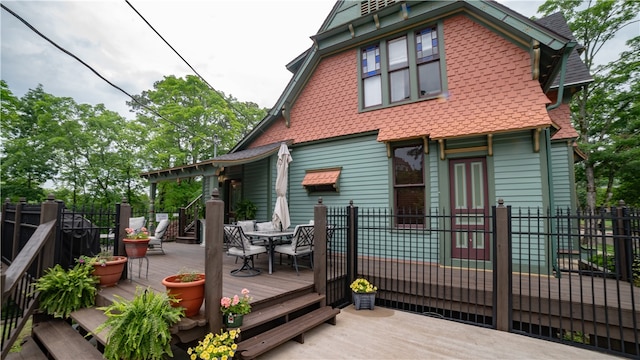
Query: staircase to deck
x,y
271,323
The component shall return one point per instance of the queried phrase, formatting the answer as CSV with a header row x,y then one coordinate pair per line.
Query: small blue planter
x,y
364,300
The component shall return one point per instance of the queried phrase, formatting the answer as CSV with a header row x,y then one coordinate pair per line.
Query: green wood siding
x,y
517,171
518,180
562,166
256,187
364,177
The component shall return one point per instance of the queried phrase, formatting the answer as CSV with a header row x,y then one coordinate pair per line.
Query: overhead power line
x,y
32,28
183,59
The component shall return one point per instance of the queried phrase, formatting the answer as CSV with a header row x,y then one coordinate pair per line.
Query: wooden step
x,y
61,341
88,319
292,330
284,311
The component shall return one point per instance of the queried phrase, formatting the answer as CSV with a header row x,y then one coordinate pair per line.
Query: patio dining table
x,y
271,237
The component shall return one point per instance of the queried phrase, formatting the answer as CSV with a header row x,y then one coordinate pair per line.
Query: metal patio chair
x,y
241,247
301,245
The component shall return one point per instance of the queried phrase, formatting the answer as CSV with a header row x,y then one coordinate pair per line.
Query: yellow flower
x,y
193,357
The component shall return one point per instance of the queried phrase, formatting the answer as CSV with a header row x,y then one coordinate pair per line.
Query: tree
x,y
180,118
28,157
594,112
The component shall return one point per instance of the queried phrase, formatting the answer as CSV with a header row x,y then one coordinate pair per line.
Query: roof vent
x,y
369,6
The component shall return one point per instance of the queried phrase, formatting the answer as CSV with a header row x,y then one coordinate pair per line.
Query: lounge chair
x,y
155,241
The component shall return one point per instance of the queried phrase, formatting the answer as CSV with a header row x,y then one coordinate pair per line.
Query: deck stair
x,y
59,340
265,329
271,323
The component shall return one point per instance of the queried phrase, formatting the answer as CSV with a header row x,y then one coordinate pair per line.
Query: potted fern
x,y
140,328
245,209
64,291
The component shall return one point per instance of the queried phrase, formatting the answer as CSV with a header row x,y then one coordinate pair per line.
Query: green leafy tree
x,y
181,118
596,115
28,155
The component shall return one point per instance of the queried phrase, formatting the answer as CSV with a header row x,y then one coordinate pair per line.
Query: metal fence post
x,y
502,267
622,243
352,249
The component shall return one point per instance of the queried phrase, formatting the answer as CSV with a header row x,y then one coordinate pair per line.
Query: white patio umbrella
x,y
281,211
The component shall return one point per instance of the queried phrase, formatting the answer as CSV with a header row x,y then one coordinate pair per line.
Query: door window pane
x,y
477,179
460,186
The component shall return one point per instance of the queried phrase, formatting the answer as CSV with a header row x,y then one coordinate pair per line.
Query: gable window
x,y
408,185
407,67
428,60
399,69
371,76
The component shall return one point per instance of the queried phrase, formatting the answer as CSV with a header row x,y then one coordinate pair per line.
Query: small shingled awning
x,y
322,179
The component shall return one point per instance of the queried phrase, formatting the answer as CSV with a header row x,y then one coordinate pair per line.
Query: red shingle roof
x,y
490,91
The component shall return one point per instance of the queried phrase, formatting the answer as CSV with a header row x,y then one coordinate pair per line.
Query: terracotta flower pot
x,y
190,294
136,248
109,273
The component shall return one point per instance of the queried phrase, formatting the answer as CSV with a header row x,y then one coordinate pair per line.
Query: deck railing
x,y
571,274
20,271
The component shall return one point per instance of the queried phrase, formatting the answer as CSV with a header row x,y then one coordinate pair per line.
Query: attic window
x,y
369,6
321,180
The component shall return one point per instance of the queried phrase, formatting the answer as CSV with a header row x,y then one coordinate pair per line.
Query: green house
x,y
414,106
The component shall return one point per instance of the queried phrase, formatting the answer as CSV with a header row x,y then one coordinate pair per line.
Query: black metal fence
x,y
572,277
85,230
592,296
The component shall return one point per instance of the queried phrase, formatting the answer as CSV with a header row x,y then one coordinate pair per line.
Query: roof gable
x,y
346,27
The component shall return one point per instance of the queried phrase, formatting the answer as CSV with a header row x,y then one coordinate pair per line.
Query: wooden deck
x,y
189,257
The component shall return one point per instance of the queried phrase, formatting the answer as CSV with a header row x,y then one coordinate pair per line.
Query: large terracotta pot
x,y
136,248
109,273
190,294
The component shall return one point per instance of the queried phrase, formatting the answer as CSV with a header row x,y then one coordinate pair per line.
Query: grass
x,y
26,331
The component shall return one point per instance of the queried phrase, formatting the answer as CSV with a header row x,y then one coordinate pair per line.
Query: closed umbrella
x,y
281,218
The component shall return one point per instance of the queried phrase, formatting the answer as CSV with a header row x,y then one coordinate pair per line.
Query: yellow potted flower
x,y
220,346
364,294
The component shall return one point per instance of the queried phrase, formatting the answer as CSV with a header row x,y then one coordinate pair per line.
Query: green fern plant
x,y
64,291
139,329
245,209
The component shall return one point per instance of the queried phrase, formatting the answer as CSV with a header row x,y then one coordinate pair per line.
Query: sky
x,y
240,47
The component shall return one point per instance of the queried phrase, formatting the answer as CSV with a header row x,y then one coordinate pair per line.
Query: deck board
x,y
179,257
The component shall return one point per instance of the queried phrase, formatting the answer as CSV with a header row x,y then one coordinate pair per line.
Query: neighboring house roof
x,y
348,25
577,73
